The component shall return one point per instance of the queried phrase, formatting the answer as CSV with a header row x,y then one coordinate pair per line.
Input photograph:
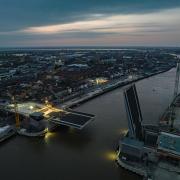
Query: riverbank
x,y
96,144
105,89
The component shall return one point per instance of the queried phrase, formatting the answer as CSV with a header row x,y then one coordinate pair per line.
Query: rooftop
x,y
169,143
133,142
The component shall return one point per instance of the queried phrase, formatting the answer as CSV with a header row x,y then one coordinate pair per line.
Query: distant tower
x,y
58,63
177,80
171,119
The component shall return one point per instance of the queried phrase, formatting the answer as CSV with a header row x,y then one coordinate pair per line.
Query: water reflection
x,y
111,155
68,137
50,136
90,153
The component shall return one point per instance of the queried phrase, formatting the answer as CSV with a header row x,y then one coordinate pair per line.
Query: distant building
x,y
108,61
77,67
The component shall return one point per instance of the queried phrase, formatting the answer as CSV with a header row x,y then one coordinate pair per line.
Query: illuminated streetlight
x,y
31,107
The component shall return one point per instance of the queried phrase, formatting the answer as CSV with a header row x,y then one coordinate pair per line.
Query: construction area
x,y
34,119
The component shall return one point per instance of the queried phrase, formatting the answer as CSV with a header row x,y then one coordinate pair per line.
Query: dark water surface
x,y
68,154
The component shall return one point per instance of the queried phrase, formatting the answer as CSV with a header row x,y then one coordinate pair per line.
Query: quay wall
x,y
102,90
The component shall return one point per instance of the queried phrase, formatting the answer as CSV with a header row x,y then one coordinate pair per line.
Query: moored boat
x,y
24,132
6,132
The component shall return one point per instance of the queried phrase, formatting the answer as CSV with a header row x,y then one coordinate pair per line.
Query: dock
x,y
152,152
45,116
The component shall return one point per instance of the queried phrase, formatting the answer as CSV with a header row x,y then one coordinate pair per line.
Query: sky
x,y
34,23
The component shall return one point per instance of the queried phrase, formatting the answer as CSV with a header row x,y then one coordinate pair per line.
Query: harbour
x,y
95,144
37,119
89,90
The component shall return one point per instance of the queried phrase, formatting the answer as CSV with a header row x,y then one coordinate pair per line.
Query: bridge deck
x,y
71,118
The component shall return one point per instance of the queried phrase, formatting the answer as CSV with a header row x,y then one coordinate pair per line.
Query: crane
x,y
177,80
175,93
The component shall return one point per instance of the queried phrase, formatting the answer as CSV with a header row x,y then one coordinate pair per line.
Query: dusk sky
x,y
89,23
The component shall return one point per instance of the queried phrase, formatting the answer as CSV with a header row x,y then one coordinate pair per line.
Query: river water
x,y
68,154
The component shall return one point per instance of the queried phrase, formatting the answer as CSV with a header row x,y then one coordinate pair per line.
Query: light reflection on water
x,y
111,155
50,136
90,153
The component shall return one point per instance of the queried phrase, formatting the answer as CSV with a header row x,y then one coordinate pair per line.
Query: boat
x,y
24,132
6,132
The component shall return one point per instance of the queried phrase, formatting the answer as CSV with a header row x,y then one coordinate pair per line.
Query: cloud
x,y
152,22
19,14
89,22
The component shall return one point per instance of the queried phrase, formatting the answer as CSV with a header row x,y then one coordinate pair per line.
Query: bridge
x,y
70,118
58,116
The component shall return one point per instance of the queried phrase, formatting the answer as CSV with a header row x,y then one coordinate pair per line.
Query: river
x,y
68,154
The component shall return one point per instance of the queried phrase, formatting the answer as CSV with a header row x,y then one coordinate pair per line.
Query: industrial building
x,y
146,149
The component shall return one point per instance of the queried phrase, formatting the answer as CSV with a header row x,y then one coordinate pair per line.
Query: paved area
x,y
166,172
